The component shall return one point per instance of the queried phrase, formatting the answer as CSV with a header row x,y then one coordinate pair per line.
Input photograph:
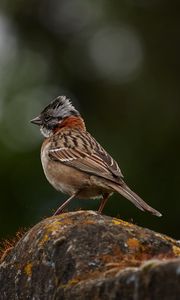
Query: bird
x,y
73,161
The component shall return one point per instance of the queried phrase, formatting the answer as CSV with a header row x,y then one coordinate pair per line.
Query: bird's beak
x,y
37,121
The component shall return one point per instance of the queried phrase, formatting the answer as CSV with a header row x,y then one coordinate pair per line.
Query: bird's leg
x,y
103,202
60,209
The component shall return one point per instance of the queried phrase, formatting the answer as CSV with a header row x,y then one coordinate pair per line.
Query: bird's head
x,y
54,114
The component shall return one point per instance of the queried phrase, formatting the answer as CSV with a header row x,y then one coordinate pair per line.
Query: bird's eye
x,y
47,118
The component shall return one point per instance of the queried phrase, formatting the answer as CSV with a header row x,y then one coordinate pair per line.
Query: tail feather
x,y
125,191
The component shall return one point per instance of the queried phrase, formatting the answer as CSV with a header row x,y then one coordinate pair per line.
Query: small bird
x,y
75,163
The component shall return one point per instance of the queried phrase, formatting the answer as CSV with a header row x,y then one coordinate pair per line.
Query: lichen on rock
x,y
84,255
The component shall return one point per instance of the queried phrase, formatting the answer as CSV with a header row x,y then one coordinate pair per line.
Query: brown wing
x,y
81,151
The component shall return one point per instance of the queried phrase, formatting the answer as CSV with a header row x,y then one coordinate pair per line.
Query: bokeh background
x,y
119,61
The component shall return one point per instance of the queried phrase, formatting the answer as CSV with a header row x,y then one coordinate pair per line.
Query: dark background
x,y
119,61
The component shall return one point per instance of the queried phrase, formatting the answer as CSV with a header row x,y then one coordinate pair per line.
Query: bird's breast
x,y
62,177
68,179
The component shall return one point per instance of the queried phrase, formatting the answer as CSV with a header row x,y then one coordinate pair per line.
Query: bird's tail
x,y
125,191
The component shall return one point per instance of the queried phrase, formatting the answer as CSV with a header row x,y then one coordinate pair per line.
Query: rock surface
x,y
84,255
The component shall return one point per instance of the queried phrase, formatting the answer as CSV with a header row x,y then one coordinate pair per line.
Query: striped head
x,y
53,115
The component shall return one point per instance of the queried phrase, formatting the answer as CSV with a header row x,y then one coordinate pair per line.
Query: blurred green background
x,y
119,61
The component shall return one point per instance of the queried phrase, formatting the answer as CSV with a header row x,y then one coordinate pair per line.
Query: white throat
x,y
46,132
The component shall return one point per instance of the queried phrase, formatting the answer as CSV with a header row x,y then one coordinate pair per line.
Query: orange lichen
x,y
133,243
89,222
117,258
28,269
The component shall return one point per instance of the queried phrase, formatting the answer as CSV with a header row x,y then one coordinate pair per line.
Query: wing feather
x,y
85,154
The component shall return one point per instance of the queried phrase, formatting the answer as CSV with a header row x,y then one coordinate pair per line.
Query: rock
x,y
84,255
